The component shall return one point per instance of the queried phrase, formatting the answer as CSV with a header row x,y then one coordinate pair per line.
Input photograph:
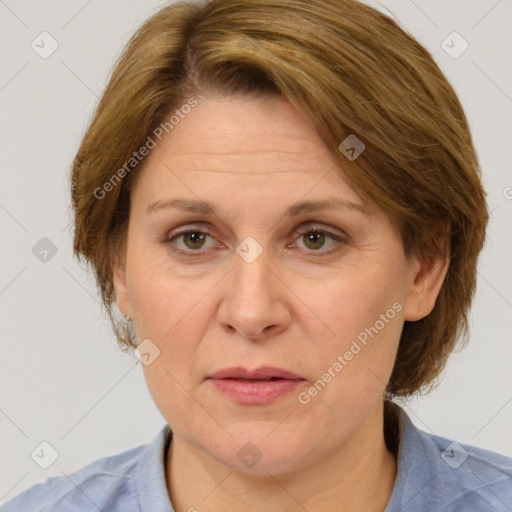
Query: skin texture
x,y
294,307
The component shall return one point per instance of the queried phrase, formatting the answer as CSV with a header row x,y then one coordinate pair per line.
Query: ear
x,y
427,275
120,282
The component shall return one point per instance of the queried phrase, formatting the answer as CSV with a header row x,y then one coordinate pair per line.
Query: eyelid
x,y
307,227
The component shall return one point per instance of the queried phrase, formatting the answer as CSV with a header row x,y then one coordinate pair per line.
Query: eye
x,y
315,238
192,238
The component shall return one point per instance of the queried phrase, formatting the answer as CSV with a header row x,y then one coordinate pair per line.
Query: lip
x,y
253,386
263,372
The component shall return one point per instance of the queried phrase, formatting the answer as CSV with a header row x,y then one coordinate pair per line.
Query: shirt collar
x,y
416,467
151,480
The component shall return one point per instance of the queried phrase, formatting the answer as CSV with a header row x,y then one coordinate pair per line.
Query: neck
x,y
357,476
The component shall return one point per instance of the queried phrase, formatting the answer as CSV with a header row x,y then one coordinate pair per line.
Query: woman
x,y
284,202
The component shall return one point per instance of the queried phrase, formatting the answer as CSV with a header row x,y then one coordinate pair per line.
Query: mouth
x,y
259,386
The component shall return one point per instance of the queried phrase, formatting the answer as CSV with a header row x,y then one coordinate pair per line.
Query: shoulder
x,y
96,486
472,478
441,474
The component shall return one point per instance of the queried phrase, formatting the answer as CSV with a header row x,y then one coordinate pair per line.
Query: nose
x,y
254,303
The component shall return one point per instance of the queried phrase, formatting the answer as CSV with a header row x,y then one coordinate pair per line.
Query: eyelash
x,y
168,239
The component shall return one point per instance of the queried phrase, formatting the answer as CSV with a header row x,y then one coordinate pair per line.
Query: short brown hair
x,y
352,70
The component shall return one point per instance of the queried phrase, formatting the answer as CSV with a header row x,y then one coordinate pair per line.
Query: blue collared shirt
x,y
435,474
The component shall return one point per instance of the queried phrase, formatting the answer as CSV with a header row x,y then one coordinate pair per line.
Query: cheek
x,y
162,296
363,311
354,301
172,314
173,311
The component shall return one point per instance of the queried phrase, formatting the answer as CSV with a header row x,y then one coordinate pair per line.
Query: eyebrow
x,y
207,208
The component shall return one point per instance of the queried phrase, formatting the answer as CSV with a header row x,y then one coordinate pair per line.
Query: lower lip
x,y
256,392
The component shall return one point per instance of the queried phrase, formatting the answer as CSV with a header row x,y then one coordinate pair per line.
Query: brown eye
x,y
193,239
315,240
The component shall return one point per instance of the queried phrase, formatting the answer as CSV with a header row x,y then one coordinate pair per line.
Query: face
x,y
318,295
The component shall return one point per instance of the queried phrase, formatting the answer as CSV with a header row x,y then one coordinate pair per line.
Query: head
x,y
256,107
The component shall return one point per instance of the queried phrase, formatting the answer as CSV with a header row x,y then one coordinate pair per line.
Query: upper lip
x,y
263,372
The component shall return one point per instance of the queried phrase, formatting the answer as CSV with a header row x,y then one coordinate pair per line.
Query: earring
x,y
128,318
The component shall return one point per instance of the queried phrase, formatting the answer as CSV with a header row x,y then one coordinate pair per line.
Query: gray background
x,y
63,380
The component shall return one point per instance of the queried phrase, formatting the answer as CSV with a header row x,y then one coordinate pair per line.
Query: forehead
x,y
257,145
265,128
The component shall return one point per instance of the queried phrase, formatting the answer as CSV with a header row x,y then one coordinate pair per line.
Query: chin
x,y
258,450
